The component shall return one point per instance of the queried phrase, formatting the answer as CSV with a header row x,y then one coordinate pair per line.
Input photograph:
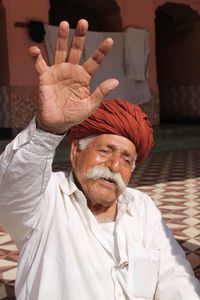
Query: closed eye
x,y
127,160
104,151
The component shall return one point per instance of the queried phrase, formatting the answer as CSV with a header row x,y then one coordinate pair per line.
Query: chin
x,y
102,194
105,198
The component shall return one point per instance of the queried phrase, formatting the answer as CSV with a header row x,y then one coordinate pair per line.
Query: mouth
x,y
108,182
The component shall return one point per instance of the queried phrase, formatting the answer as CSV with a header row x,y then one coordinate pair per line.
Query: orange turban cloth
x,y
120,117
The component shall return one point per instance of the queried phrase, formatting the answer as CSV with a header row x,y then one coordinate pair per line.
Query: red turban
x,y
119,117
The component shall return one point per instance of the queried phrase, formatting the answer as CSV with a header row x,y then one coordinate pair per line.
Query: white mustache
x,y
105,172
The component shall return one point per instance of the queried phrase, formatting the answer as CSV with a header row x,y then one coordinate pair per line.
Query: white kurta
x,y
64,254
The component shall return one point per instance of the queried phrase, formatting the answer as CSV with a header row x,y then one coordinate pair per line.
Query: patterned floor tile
x,y
172,179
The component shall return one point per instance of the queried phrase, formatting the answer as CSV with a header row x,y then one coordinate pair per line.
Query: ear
x,y
75,150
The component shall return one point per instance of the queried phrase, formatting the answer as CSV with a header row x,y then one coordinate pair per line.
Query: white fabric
x,y
63,253
107,230
136,50
134,91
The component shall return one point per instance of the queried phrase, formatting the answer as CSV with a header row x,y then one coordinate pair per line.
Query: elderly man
x,y
83,234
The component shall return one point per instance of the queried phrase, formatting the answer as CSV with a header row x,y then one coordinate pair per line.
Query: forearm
x,y
25,169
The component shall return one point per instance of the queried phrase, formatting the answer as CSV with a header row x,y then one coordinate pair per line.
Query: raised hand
x,y
65,98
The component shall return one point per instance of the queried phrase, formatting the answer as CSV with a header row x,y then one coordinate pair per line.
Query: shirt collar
x,y
68,185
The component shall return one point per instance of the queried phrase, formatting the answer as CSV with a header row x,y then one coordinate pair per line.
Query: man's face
x,y
115,152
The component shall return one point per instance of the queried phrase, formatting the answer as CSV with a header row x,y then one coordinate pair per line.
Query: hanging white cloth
x,y
136,50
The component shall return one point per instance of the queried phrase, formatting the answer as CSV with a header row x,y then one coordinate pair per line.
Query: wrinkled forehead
x,y
113,141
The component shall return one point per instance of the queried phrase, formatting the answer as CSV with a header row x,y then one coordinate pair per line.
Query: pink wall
x,y
21,67
138,13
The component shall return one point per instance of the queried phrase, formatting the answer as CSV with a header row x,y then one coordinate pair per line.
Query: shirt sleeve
x,y
25,170
176,279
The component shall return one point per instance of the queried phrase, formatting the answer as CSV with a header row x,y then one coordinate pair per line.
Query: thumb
x,y
103,89
39,61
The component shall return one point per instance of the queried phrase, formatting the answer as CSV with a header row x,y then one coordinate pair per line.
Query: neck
x,y
104,214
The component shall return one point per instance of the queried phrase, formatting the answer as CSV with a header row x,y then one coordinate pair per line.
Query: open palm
x,y
65,97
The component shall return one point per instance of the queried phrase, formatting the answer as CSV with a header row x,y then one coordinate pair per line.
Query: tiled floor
x,y
173,180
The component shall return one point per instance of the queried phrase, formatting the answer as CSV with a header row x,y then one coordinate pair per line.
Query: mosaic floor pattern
x,y
172,179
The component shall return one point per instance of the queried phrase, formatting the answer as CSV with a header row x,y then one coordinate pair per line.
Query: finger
x,y
103,89
39,61
92,64
61,43
78,42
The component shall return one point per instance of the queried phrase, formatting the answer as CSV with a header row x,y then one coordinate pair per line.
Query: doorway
x,y
178,56
102,15
5,130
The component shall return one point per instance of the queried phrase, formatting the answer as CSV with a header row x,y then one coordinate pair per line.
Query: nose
x,y
114,163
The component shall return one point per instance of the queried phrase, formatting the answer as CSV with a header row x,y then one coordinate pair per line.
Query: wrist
x,y
53,130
